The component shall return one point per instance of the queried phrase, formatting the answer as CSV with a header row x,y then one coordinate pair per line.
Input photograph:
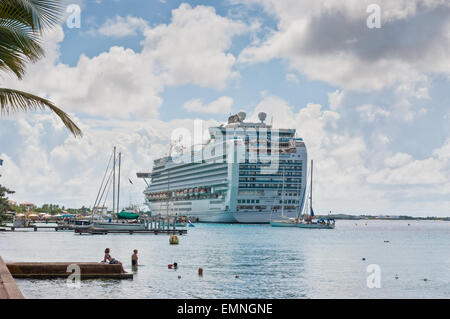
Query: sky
x,y
372,104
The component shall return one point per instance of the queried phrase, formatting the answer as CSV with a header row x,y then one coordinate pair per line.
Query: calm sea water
x,y
269,262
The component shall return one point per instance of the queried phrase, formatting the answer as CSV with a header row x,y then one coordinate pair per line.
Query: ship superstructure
x,y
245,173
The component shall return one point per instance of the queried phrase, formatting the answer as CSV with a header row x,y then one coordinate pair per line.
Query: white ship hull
x,y
260,217
203,214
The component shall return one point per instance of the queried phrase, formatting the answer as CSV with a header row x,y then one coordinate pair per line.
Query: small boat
x,y
127,219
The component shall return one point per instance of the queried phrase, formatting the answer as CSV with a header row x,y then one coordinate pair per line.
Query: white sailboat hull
x,y
315,226
118,226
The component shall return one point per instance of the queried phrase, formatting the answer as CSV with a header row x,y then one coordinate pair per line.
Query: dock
x,y
152,226
8,287
155,231
51,270
36,227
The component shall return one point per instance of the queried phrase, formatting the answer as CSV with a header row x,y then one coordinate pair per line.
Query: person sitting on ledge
x,y
111,260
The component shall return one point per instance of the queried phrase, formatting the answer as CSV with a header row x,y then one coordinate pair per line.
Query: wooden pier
x,y
99,231
8,287
36,227
153,225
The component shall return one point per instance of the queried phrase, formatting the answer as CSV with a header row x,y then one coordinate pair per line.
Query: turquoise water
x,y
269,262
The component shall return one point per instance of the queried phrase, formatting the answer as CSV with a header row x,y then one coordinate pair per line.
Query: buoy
x,y
200,271
237,276
179,277
364,259
173,240
425,279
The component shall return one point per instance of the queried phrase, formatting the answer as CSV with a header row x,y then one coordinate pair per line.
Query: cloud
x,y
122,27
292,77
192,48
335,99
329,41
220,106
370,113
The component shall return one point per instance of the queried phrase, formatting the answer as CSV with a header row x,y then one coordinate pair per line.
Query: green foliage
x,y
4,205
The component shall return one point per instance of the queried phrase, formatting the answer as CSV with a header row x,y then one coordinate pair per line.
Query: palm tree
x,y
21,26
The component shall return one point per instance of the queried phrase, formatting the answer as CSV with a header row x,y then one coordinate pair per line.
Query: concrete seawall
x,y
8,287
48,270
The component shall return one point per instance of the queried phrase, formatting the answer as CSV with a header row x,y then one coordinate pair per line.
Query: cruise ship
x,y
245,173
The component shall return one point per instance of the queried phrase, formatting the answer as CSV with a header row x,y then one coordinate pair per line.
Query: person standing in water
x,y
134,258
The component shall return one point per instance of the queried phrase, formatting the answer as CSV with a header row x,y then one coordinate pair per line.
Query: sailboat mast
x,y
282,197
118,184
168,187
311,188
114,181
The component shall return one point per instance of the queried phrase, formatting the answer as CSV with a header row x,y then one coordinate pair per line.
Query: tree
x,y
4,204
21,25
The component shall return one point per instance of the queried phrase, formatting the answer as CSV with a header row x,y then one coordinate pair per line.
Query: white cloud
x,y
414,172
292,77
335,99
370,113
399,159
220,106
122,27
192,48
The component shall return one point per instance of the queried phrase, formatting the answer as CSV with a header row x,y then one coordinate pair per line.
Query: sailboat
x,y
283,222
305,218
126,219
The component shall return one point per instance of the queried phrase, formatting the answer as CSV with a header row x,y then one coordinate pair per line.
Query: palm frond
x,y
35,14
16,49
21,25
15,101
